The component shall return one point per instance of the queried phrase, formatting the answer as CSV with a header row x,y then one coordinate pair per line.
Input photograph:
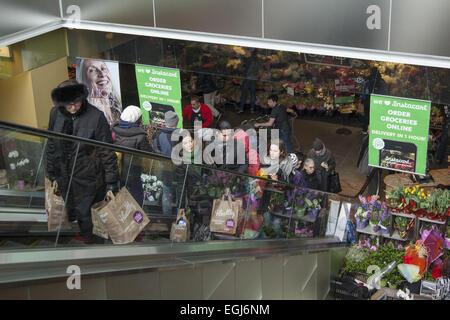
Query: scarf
x,y
127,125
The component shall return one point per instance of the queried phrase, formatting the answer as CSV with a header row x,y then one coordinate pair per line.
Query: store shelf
x,y
432,221
410,216
20,193
368,230
395,236
307,218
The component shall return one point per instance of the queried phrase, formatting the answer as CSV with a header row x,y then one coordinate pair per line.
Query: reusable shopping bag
x,y
180,231
122,217
54,208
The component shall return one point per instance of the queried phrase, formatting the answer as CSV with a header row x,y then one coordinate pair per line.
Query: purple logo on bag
x,y
230,223
138,217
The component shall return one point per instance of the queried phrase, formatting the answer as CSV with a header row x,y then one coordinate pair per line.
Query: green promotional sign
x,y
159,91
398,137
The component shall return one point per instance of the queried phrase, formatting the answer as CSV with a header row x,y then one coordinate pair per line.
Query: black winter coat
x,y
323,174
235,161
312,180
94,166
133,137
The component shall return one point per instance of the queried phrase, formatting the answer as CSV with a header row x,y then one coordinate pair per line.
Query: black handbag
x,y
334,184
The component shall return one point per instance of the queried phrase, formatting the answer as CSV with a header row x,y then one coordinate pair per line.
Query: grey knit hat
x,y
171,119
317,144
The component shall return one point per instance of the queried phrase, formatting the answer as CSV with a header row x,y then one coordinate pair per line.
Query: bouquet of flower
x,y
261,173
303,233
297,197
385,220
402,226
276,202
396,196
152,187
313,206
415,198
20,168
439,205
375,209
361,217
252,194
217,182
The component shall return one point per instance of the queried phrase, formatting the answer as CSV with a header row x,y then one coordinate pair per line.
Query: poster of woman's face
x,y
102,80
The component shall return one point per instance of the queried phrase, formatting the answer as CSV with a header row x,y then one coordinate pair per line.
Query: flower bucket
x,y
300,212
313,213
431,215
374,226
21,184
385,231
361,224
153,196
420,213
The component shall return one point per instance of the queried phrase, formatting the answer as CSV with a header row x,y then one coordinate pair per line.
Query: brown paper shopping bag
x,y
54,208
180,231
225,215
122,217
99,228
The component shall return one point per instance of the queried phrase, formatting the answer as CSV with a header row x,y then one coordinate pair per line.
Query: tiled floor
x,y
345,149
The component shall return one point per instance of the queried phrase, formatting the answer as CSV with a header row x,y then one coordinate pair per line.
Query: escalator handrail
x,y
50,134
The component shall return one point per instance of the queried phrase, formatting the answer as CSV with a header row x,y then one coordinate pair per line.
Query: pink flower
x,y
373,248
363,200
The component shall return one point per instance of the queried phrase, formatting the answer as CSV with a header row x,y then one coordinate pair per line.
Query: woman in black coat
x,y
128,133
94,169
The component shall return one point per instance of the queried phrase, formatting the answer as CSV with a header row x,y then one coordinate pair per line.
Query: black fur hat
x,y
68,92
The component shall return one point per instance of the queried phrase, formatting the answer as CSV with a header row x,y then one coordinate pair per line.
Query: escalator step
x,y
11,244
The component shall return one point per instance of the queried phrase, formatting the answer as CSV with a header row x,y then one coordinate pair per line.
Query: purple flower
x,y
360,244
437,262
310,233
375,228
400,247
373,248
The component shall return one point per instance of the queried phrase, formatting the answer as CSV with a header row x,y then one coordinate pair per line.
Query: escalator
x,y
30,254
